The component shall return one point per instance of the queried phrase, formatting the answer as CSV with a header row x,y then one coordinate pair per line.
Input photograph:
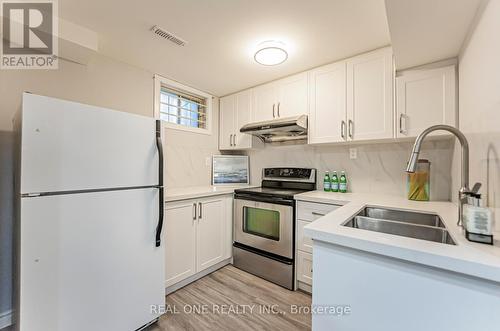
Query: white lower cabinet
x,y
307,212
197,235
304,243
304,267
210,233
179,235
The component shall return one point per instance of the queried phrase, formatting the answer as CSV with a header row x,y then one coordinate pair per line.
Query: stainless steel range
x,y
264,226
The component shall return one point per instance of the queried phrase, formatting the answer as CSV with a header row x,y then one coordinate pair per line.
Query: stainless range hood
x,y
279,130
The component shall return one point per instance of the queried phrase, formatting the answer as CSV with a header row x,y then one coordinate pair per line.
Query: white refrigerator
x,y
90,215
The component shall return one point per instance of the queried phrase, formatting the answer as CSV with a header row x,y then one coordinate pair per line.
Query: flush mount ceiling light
x,y
270,53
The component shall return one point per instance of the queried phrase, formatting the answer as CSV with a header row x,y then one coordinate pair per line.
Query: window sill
x,y
168,125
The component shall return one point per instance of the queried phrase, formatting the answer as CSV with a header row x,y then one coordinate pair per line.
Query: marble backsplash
x,y
378,168
188,156
187,166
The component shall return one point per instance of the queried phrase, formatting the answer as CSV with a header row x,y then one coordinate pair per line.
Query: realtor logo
x,y
29,38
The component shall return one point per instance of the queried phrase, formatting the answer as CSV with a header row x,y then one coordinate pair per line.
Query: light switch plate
x,y
208,161
353,153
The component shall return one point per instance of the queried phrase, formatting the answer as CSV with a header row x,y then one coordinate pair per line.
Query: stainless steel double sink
x,y
409,224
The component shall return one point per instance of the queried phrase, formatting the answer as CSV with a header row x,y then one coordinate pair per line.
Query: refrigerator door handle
x,y
161,211
159,145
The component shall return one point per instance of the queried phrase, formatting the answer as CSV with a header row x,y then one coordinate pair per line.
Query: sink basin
x,y
403,216
401,223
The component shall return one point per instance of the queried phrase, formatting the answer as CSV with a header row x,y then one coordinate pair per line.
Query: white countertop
x,y
184,193
465,257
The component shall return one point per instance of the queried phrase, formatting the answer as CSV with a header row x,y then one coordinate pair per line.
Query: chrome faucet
x,y
464,191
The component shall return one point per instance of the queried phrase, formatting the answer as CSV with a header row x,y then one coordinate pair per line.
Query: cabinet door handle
x,y
195,213
402,128
231,140
273,111
351,128
200,205
342,130
278,109
234,139
317,214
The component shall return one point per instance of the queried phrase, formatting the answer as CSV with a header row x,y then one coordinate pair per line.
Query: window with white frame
x,y
182,107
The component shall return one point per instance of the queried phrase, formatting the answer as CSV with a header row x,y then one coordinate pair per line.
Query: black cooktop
x,y
283,183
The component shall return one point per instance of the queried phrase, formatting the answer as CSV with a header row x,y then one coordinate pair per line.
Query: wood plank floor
x,y
227,296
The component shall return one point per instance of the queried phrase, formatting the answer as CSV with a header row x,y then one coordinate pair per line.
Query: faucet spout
x,y
413,160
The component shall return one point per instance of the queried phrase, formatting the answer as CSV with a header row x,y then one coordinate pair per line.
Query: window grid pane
x,y
181,109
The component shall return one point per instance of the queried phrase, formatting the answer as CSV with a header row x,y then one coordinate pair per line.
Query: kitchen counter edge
x,y
187,193
473,259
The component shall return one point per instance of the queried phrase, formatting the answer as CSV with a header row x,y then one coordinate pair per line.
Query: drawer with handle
x,y
310,211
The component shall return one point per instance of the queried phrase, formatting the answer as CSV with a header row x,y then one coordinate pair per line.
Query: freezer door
x,y
89,262
67,146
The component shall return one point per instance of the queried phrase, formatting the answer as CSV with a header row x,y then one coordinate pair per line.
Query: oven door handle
x,y
278,201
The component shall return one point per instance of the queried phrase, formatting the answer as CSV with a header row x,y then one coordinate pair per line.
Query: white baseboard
x,y
304,287
5,319
197,276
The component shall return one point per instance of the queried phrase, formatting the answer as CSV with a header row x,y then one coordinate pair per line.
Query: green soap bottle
x,y
343,182
326,182
334,182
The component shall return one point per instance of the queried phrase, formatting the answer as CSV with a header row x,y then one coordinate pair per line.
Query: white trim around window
x,y
160,82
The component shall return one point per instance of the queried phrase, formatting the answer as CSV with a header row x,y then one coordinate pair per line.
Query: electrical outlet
x,y
208,161
353,153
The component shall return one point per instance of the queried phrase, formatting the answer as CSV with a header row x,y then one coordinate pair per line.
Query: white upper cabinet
x,y
370,95
227,118
235,111
327,104
243,116
283,98
350,100
264,102
425,98
292,96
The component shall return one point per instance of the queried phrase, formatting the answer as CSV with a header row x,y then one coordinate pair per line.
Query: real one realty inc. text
x,y
239,309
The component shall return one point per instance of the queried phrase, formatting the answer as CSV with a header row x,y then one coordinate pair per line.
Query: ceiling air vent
x,y
167,35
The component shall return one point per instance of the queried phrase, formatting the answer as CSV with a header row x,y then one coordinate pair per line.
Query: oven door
x,y
265,226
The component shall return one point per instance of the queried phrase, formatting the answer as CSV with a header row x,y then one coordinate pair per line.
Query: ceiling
x,y
222,35
425,31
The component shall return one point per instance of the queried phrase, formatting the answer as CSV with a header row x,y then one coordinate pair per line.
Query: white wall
x,y
188,159
379,168
103,82
6,223
479,102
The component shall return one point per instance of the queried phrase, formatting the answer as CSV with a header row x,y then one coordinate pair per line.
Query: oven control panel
x,y
289,174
